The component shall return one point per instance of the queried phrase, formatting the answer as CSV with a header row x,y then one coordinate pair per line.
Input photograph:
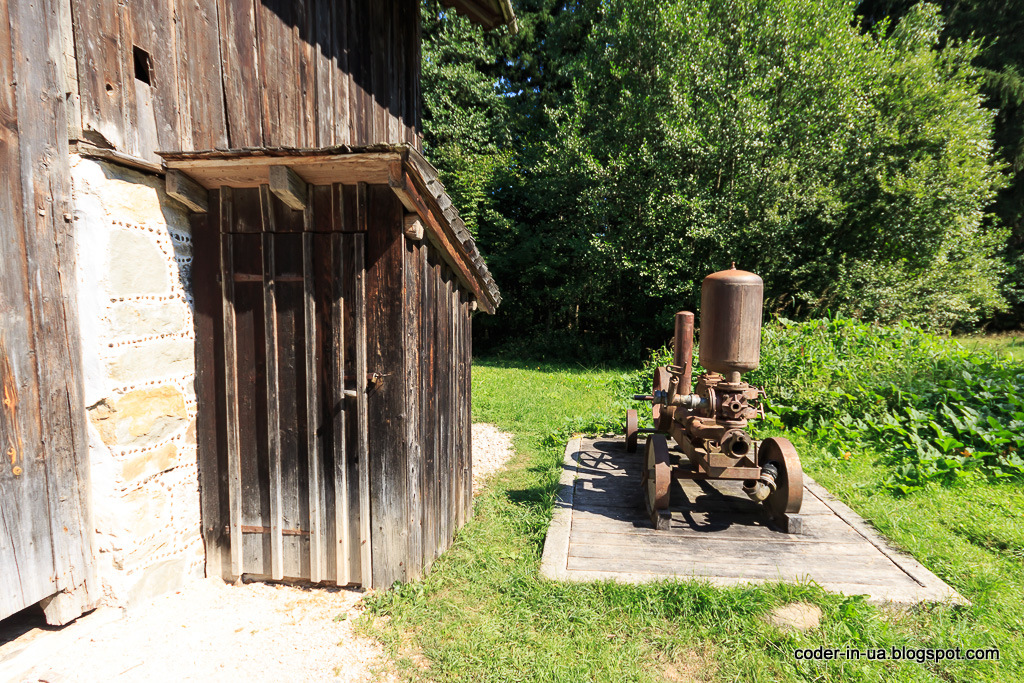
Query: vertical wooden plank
x,y
49,247
24,524
428,408
273,408
412,288
291,369
387,400
453,422
277,64
358,242
151,29
210,417
304,39
438,406
241,72
378,101
324,56
202,122
250,369
129,114
99,49
316,527
394,73
444,462
341,78
416,98
460,429
231,390
468,359
339,404
358,42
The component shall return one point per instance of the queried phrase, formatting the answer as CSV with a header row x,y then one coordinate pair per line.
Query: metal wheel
x,y
632,427
658,475
662,417
789,484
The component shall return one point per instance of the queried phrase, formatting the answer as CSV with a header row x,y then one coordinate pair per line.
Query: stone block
x,y
146,361
150,462
147,512
135,319
135,264
140,418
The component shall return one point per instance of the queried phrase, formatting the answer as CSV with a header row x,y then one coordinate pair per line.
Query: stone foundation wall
x,y
134,259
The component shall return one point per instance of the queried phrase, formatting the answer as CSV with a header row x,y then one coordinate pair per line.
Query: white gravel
x,y
213,631
492,448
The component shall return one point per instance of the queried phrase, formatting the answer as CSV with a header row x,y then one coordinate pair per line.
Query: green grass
x,y
483,613
1008,345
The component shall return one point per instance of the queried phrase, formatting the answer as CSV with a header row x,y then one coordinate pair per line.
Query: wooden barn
x,y
235,300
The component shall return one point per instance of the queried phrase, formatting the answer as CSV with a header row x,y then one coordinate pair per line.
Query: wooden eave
x,y
401,167
487,13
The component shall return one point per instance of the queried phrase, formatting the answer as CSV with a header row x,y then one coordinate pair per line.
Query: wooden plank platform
x,y
600,531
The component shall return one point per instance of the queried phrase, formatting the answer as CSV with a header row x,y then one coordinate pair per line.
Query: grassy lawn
x,y
483,613
1006,344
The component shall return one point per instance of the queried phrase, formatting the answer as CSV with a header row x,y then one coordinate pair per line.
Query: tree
x,y
652,142
464,113
999,24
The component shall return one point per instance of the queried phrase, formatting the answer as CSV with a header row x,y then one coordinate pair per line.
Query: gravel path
x,y
213,631
491,450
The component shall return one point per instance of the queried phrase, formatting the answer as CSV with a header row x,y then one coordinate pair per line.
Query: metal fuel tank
x,y
730,322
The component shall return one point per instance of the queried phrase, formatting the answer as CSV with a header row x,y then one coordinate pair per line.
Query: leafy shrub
x,y
930,408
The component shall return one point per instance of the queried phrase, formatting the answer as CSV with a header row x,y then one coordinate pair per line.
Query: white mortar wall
x,y
138,339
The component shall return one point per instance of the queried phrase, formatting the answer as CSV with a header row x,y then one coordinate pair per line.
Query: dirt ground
x,y
213,631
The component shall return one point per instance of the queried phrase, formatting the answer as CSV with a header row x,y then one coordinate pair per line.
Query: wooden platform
x,y
600,531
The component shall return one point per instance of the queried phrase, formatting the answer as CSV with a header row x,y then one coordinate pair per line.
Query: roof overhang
x,y
488,13
401,167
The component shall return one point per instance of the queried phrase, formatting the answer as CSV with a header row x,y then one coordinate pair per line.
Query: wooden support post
x,y
187,191
273,410
316,528
289,187
231,390
343,546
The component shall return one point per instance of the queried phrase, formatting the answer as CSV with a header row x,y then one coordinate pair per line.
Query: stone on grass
x,y
796,616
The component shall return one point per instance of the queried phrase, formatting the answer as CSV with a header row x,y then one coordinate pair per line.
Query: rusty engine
x,y
709,421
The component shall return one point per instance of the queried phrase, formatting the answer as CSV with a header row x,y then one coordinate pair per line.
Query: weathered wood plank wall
x,y
45,524
380,479
181,75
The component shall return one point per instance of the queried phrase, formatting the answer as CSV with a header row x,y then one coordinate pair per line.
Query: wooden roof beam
x,y
187,191
289,187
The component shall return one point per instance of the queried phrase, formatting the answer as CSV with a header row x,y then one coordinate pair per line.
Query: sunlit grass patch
x,y
484,613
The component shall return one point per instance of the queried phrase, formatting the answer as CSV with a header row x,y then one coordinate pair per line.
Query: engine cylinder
x,y
730,322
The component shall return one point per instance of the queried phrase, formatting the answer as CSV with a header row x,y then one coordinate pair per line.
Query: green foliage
x,y
463,112
627,149
927,406
999,24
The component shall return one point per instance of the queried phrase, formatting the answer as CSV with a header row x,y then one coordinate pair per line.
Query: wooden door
x,y
294,368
